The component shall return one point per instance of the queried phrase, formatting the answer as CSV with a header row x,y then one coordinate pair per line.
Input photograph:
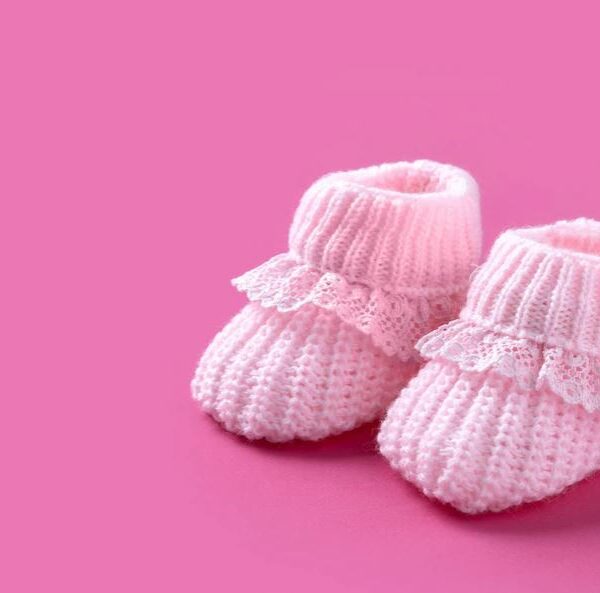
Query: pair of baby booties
x,y
489,376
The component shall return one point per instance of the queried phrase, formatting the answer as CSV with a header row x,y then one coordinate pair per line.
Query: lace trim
x,y
533,366
395,322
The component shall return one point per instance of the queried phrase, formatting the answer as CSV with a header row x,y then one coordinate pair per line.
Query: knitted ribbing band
x,y
508,409
389,248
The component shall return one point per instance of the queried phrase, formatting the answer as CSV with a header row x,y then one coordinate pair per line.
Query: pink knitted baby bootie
x,y
377,258
508,409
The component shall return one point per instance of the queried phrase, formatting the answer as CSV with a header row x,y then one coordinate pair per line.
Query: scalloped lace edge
x,y
394,321
575,377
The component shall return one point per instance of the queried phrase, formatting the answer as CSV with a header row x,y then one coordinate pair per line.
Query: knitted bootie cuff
x,y
533,313
388,248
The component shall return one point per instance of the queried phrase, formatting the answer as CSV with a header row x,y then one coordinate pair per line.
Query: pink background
x,y
151,151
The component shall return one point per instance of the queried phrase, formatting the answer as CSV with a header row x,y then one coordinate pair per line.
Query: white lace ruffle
x,y
533,366
395,322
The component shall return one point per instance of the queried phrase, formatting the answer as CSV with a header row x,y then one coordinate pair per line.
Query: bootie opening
x,y
580,236
409,180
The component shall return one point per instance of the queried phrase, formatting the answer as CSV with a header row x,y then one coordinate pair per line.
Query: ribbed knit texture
x,y
295,375
377,258
404,227
508,411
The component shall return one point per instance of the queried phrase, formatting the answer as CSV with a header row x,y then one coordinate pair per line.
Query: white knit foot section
x,y
303,374
479,443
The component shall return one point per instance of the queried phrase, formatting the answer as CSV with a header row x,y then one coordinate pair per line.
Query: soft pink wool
x,y
508,410
377,258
